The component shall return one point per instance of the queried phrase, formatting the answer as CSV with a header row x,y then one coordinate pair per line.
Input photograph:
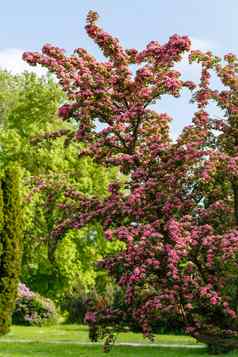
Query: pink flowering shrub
x,y
177,213
32,309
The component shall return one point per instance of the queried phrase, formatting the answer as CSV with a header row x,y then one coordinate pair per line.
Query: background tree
x,y
51,267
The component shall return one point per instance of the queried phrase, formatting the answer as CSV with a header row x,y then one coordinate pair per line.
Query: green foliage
x,y
28,106
8,95
10,243
56,267
36,104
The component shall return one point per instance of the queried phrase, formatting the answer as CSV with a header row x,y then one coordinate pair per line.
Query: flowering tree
x,y
175,214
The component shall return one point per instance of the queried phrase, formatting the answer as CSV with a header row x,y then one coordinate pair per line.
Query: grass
x,y
49,350
80,334
60,341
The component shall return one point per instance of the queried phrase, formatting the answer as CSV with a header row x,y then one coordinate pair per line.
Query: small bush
x,y
76,310
32,309
75,306
77,302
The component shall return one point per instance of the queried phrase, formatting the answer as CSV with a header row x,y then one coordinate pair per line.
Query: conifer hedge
x,y
10,243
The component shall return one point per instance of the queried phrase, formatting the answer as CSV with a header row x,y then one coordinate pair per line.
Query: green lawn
x,y
50,350
80,334
61,341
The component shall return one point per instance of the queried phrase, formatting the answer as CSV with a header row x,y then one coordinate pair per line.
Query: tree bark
x,y
235,191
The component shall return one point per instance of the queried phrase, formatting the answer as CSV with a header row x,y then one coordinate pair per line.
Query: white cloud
x,y
11,60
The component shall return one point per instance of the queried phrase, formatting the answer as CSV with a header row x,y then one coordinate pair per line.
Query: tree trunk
x,y
235,191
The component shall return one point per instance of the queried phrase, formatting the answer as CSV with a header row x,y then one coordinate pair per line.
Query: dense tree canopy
x,y
49,167
177,211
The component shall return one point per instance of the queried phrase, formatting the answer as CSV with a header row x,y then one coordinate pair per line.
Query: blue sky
x,y
27,25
